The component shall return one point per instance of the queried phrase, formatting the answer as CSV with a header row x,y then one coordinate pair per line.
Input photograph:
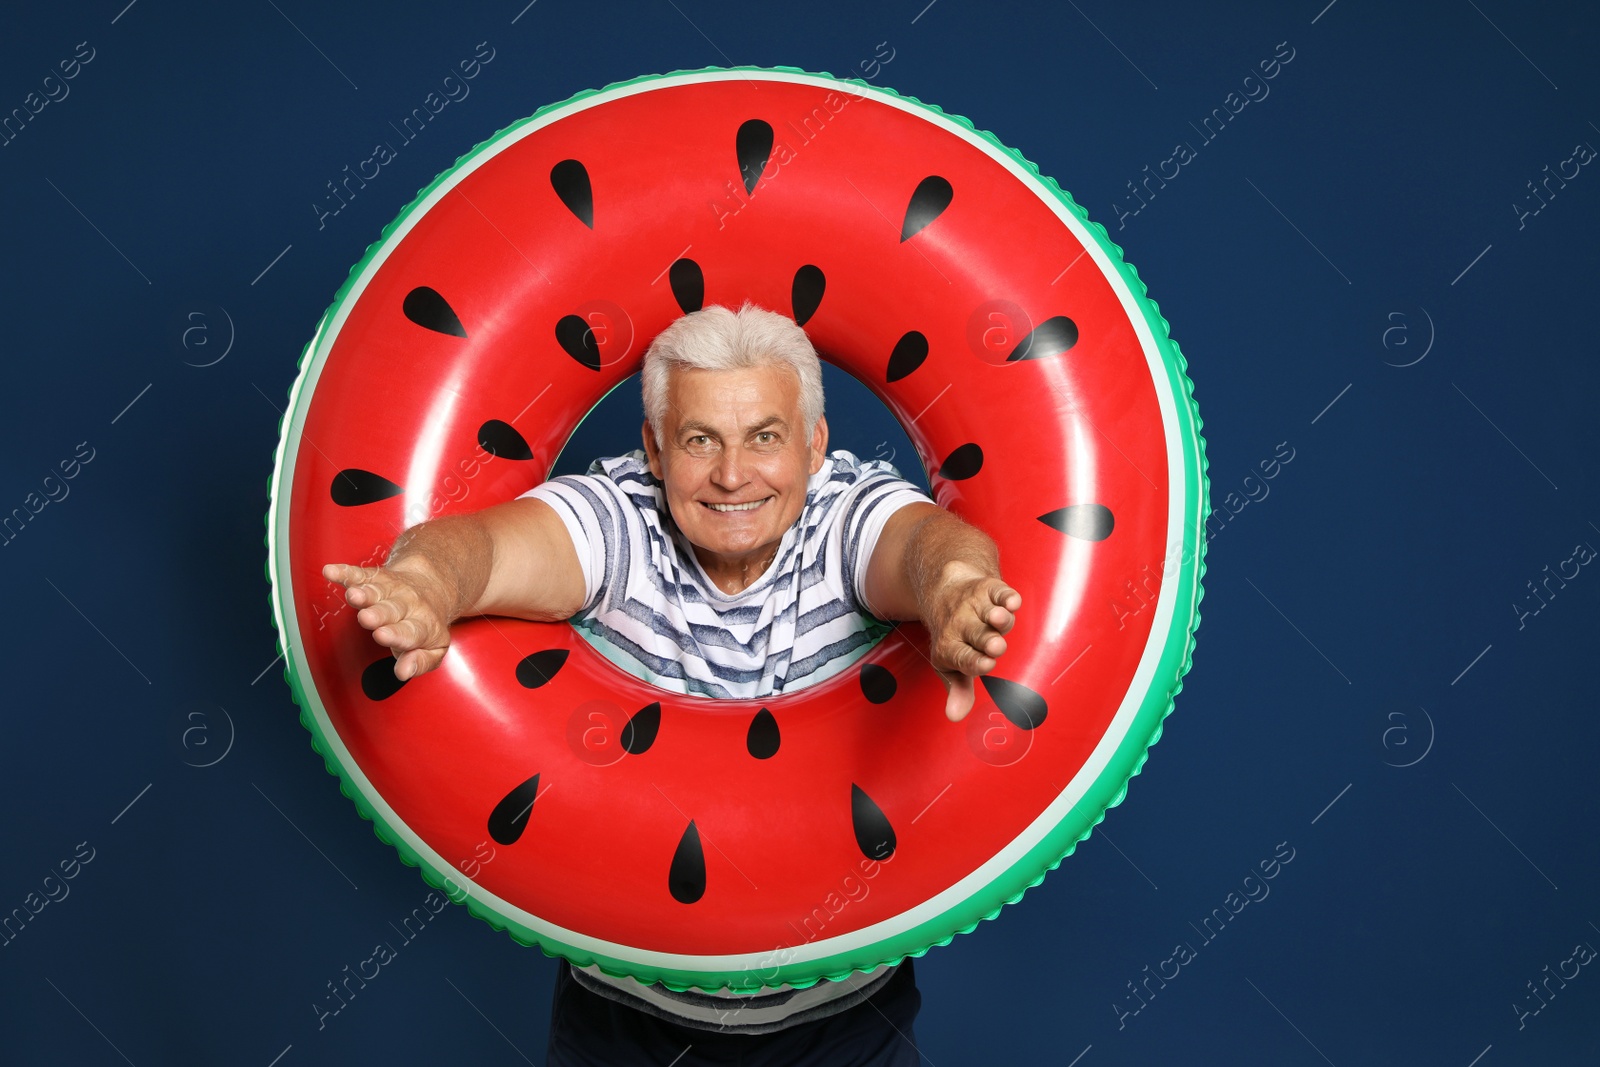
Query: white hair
x,y
715,338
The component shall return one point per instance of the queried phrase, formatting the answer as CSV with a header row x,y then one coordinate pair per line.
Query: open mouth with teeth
x,y
726,508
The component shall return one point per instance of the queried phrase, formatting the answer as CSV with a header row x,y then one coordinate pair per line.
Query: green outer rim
x,y
1107,791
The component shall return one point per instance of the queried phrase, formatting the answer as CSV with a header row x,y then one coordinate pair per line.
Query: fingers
x,y
398,612
403,635
993,608
382,597
1000,606
359,590
343,573
417,661
982,630
1000,619
973,638
1006,597
963,694
387,609
380,600
334,572
416,646
956,654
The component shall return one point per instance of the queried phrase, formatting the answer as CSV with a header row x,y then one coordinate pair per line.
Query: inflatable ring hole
x,y
864,425
611,428
858,422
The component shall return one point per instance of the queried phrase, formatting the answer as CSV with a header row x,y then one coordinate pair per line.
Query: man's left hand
x,y
967,615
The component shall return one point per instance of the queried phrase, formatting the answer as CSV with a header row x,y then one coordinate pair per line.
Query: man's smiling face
x,y
735,461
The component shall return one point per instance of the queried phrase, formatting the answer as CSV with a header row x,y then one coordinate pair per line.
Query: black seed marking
x,y
574,335
908,354
874,835
354,486
687,877
378,680
806,293
510,817
753,143
570,179
1017,702
1087,522
428,309
877,683
688,284
927,203
762,739
1050,338
640,732
537,669
963,463
502,439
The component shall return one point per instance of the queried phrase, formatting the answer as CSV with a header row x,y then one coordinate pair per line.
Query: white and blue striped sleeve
x,y
590,508
878,492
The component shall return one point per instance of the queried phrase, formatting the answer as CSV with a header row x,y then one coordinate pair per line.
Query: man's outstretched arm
x,y
515,558
931,567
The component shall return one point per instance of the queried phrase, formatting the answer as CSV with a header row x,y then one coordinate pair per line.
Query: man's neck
x,y
737,577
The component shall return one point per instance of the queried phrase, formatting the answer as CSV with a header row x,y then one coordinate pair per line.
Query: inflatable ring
x,y
727,843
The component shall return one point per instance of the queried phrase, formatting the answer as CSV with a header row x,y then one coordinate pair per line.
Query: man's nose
x,y
728,472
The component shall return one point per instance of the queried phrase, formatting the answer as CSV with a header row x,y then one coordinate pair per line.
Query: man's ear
x,y
652,450
819,443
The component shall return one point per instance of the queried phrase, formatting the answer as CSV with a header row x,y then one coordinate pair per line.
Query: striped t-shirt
x,y
650,608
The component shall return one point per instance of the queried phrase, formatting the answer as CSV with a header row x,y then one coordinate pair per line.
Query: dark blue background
x,y
1326,225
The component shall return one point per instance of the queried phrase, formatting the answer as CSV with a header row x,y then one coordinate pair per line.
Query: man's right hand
x,y
514,558
407,607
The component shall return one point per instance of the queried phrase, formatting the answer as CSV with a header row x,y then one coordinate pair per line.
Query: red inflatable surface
x,y
592,811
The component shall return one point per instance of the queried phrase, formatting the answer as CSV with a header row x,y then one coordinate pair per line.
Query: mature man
x,y
732,557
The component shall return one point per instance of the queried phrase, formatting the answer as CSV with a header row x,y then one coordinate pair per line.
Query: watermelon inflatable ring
x,y
722,844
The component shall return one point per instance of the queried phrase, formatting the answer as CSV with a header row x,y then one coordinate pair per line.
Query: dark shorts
x,y
588,1030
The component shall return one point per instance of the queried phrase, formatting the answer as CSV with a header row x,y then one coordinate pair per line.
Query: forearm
x,y
456,551
943,546
967,608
